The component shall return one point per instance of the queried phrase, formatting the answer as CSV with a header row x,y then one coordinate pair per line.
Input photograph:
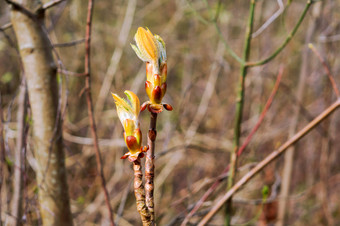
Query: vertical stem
x,y
149,166
239,109
90,107
140,194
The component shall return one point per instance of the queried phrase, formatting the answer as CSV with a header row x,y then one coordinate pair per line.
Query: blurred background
x,y
194,140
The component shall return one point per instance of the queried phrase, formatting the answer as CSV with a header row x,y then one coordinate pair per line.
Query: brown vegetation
x,y
195,141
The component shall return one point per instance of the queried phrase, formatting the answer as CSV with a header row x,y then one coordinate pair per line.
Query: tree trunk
x,y
40,71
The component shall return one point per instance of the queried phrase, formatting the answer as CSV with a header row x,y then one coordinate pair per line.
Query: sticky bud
x,y
168,107
131,142
157,94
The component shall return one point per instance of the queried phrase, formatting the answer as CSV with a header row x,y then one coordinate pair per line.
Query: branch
x,y
150,167
21,8
51,4
90,107
239,108
6,26
68,44
31,15
140,193
218,30
289,37
263,113
270,158
66,72
270,20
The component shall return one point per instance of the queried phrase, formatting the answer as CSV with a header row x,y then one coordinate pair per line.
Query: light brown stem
x,y
150,167
140,194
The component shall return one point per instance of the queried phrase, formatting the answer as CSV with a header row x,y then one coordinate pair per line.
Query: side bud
x,y
128,113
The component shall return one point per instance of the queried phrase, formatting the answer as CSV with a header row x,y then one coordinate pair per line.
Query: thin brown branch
x,y
6,26
140,194
52,4
28,12
116,56
239,152
90,107
71,73
263,113
270,158
68,44
149,166
21,8
270,20
327,69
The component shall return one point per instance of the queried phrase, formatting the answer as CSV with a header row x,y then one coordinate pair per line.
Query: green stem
x,y
283,45
239,108
229,50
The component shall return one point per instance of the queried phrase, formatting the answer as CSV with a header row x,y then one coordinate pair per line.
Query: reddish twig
x,y
327,69
240,150
263,113
271,157
90,107
149,166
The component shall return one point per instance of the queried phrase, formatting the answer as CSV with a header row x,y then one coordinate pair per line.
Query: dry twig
x,y
90,108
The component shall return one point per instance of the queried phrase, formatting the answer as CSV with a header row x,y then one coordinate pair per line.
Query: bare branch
x,y
270,20
52,3
21,8
90,107
6,26
68,44
66,72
